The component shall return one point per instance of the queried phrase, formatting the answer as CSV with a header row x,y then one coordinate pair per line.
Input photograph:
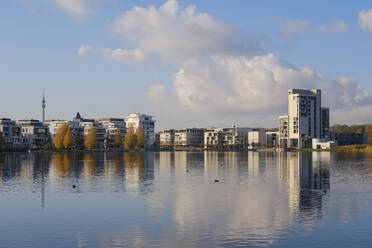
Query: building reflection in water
x,y
308,179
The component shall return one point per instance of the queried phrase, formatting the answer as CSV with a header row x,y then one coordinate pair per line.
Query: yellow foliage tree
x,y
91,139
140,135
60,136
130,139
68,141
368,130
117,139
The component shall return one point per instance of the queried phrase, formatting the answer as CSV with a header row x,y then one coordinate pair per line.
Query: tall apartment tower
x,y
43,105
306,118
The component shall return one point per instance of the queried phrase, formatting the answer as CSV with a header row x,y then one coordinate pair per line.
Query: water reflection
x,y
183,198
307,176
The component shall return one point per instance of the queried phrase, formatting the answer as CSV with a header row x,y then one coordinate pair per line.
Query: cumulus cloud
x,y
294,27
231,85
365,20
172,32
129,56
74,7
336,27
222,71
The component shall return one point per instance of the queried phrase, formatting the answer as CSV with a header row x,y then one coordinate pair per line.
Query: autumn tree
x,y
68,141
60,136
368,130
91,139
130,139
117,139
140,135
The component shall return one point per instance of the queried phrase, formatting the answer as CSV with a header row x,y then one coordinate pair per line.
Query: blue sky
x,y
185,68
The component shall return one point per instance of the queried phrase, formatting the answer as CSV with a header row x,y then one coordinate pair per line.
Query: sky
x,y
188,63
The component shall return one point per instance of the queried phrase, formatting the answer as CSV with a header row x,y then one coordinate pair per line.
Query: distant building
x,y
272,139
76,130
283,130
344,139
323,143
87,124
189,137
306,118
112,125
35,132
257,137
12,133
148,124
227,137
166,137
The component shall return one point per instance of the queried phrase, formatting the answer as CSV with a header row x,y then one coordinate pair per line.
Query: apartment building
x,y
166,137
272,139
257,137
306,118
76,130
148,124
12,133
230,137
111,125
35,132
283,130
87,124
189,137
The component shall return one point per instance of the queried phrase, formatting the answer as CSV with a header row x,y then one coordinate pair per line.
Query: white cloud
x,y
294,27
336,27
129,56
365,20
172,32
217,76
74,7
233,86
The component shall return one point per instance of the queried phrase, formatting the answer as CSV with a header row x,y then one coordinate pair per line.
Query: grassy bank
x,y
353,148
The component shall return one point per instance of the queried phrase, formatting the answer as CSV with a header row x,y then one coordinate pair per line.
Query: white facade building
x,y
283,130
54,125
306,118
233,137
257,137
148,124
166,137
111,125
189,137
323,144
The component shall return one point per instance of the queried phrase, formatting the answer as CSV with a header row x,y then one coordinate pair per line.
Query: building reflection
x,y
308,179
139,170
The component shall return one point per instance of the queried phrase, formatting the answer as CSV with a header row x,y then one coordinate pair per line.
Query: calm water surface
x,y
166,199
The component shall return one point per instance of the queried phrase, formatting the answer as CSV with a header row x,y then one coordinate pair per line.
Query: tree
x,y
368,130
117,139
91,140
1,140
130,139
68,141
48,144
60,136
140,135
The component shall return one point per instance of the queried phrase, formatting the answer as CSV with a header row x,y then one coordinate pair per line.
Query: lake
x,y
186,199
